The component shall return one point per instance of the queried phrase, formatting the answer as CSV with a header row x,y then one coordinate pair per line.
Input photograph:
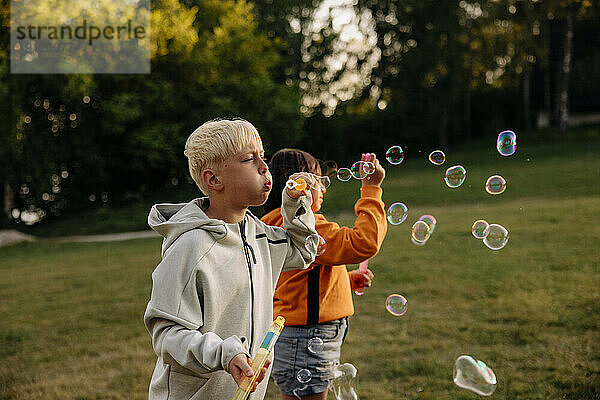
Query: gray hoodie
x,y
212,293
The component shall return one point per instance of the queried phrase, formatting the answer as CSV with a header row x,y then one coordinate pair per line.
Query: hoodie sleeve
x,y
299,224
174,314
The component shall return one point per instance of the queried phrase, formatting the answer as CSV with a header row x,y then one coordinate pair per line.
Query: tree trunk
x,y
443,132
565,73
467,110
526,100
9,201
547,73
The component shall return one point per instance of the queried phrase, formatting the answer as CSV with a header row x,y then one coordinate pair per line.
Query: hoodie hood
x,y
172,220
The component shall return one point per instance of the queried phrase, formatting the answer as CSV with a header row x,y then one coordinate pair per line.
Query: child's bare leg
x,y
317,396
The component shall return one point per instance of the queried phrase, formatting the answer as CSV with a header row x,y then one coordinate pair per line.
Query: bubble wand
x,y
362,268
260,358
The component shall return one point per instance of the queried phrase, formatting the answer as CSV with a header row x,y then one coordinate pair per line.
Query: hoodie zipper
x,y
246,246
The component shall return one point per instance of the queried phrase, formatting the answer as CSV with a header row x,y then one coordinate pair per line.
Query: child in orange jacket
x,y
316,302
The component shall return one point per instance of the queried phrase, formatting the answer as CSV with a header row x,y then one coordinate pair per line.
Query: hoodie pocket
x,y
184,386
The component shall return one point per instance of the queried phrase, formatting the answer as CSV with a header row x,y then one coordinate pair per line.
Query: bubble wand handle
x,y
261,356
362,268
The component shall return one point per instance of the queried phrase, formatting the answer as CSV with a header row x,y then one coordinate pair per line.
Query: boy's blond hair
x,y
213,142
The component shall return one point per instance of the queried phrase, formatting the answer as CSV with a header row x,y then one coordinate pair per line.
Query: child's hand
x,y
361,280
376,177
239,368
310,181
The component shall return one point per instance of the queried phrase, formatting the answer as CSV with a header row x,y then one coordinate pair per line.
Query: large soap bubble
x,y
495,236
474,375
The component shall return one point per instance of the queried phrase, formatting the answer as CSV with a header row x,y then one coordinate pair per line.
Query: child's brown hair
x,y
284,163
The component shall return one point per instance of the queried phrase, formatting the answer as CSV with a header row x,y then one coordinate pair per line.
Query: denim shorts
x,y
292,355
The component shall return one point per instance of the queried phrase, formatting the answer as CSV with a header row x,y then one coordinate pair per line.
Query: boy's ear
x,y
211,180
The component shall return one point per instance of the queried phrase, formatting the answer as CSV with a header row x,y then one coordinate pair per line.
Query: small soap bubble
x,y
344,174
474,375
478,228
437,157
304,376
315,345
429,220
496,236
358,170
506,143
495,184
395,155
397,213
396,304
321,244
455,176
368,167
420,231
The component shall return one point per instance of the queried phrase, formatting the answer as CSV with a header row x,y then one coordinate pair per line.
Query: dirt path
x,y
10,237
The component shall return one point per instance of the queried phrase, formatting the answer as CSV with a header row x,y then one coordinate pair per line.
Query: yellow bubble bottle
x,y
261,356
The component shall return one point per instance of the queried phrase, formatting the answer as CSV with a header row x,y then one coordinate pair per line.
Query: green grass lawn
x,y
72,313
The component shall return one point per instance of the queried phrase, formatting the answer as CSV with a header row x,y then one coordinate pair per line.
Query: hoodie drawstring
x,y
247,246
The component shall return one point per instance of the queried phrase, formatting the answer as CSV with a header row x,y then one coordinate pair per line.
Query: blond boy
x,y
212,293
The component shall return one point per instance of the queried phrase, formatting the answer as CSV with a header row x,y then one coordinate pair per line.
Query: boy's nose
x,y
263,168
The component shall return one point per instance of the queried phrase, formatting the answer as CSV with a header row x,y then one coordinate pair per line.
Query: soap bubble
x,y
344,174
413,241
303,376
455,176
358,170
368,167
395,155
344,382
437,157
315,345
478,228
496,236
396,304
321,244
495,184
420,231
506,143
429,220
397,213
474,375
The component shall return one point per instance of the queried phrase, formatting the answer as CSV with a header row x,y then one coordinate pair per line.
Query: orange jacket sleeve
x,y
347,245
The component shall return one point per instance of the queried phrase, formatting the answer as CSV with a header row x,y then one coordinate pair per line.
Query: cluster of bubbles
x,y
494,236
469,373
474,375
422,229
359,170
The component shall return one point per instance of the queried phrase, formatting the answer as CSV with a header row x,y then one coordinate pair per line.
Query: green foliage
x,y
209,60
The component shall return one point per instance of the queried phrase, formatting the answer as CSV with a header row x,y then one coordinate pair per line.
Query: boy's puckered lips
x,y
268,185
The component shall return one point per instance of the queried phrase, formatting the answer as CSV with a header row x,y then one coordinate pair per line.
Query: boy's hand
x,y
376,177
239,368
310,181
361,280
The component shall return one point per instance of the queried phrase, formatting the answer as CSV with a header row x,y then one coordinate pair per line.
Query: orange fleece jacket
x,y
296,293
